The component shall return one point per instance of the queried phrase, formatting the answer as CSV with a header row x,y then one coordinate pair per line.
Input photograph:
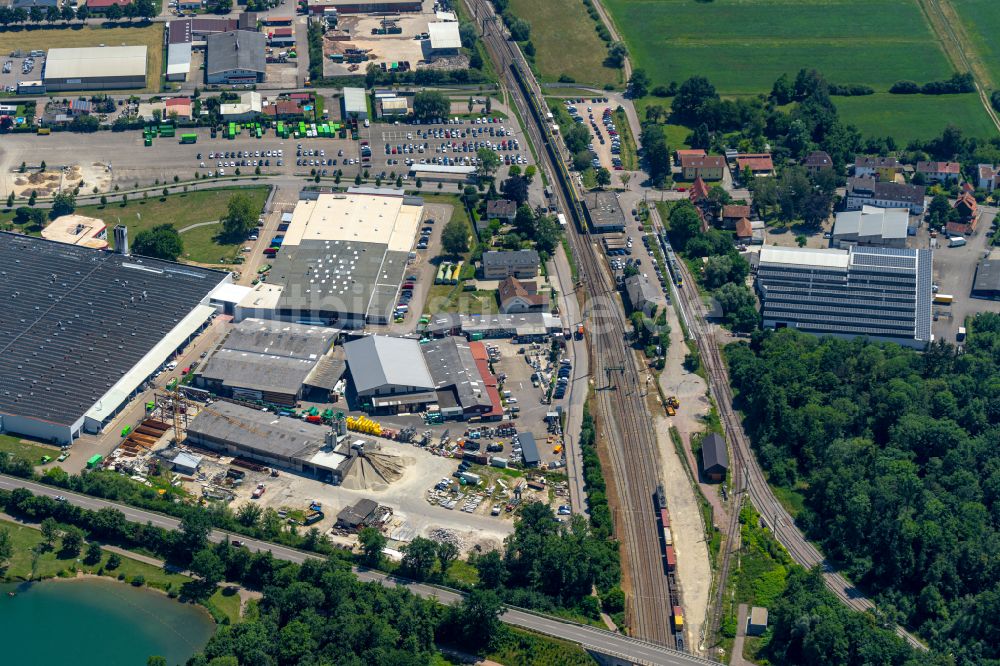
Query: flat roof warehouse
x,y
82,329
97,67
341,260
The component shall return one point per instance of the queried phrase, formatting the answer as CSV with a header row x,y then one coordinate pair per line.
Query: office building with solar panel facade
x,y
880,293
82,330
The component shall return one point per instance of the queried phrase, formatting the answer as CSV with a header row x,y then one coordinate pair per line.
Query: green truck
x,y
94,460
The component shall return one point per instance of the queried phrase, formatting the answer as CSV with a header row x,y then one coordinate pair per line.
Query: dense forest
x,y
895,453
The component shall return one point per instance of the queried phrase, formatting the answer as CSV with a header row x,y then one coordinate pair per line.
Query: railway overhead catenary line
x,y
620,399
748,476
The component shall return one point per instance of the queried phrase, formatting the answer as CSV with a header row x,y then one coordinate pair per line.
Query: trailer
x,y
189,138
94,460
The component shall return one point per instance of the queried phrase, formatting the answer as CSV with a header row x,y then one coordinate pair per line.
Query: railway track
x,y
624,418
749,479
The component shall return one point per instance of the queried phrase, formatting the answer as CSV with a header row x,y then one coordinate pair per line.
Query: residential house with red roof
x,y
968,213
516,296
706,167
940,172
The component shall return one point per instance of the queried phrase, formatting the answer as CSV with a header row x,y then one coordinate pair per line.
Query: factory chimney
x,y
121,239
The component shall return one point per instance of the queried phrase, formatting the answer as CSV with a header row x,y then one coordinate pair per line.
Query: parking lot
x,y
954,273
128,162
22,67
447,143
596,116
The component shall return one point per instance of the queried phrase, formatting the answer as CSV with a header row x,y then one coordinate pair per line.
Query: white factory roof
x,y
441,168
228,292
95,61
179,58
381,216
250,102
354,100
131,380
444,35
872,221
804,256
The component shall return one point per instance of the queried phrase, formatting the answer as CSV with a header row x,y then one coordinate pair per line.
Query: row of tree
x,y
894,453
139,9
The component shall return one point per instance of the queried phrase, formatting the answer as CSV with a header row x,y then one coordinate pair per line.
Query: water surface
x,y
97,622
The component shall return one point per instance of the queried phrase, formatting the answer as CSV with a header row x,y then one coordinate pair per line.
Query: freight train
x,y
670,566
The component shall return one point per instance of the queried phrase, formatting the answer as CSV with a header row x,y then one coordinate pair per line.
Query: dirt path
x,y
693,569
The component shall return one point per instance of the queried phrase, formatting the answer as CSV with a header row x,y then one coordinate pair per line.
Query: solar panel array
x,y
885,292
75,320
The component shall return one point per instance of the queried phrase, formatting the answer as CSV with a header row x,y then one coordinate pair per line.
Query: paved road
x,y
635,651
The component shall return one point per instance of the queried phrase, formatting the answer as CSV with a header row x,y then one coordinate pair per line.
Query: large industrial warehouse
x,y
95,68
272,361
341,261
267,438
81,330
396,375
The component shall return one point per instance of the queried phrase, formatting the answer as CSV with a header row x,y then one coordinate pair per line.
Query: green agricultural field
x,y
742,47
566,41
150,35
201,244
981,19
908,117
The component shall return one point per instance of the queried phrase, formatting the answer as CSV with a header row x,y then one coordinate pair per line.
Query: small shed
x,y
529,449
186,463
714,457
757,622
354,517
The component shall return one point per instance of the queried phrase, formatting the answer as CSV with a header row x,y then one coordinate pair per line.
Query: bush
x,y
138,581
904,88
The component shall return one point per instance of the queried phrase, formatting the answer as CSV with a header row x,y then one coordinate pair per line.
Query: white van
x,y
956,241
172,365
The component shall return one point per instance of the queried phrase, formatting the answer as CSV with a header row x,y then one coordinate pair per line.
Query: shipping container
x,y
470,478
678,618
943,299
667,536
189,138
664,518
478,458
497,461
671,559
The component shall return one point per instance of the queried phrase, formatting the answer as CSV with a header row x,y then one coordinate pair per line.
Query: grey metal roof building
x,y
529,449
882,293
381,365
267,438
522,264
714,457
987,282
236,56
95,68
604,212
453,368
886,227
82,329
642,295
266,360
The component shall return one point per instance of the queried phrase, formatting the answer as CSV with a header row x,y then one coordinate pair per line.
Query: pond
x,y
97,622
